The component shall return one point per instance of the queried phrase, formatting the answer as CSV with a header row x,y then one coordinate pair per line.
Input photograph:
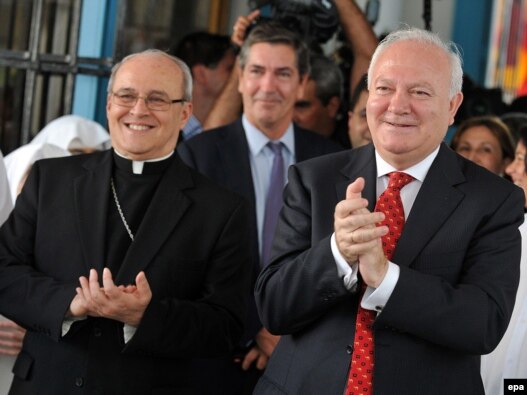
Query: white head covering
x,y
20,160
6,204
74,132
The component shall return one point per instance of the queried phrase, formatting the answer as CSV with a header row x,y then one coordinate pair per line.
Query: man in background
x,y
359,36
319,107
250,157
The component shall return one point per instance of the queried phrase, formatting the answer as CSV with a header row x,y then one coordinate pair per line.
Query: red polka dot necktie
x,y
360,377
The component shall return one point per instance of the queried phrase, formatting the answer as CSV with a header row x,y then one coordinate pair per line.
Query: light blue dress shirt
x,y
192,128
261,160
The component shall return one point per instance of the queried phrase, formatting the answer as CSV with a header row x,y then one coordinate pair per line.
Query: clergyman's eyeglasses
x,y
154,102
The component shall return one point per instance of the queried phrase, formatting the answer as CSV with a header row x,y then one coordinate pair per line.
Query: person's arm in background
x,y
360,36
228,104
11,335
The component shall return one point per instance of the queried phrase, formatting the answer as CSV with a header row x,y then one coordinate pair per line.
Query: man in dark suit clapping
x,y
126,264
401,296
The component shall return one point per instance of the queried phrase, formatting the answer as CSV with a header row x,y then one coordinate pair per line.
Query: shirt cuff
x,y
128,332
376,298
346,272
68,322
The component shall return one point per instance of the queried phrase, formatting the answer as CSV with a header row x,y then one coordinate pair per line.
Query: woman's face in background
x,y
481,146
516,169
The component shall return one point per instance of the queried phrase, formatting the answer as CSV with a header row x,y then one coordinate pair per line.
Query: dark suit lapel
x,y
234,154
168,205
91,214
239,179
361,164
436,200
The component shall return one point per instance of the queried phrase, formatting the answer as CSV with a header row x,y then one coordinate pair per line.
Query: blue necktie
x,y
273,202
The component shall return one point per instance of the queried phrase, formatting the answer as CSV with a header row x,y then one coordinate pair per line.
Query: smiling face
x,y
270,84
138,132
481,146
409,109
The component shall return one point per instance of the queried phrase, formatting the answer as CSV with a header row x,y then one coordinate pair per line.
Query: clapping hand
x,y
121,303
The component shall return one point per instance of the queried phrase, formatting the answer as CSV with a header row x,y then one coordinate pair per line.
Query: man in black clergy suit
x,y
273,71
446,294
126,264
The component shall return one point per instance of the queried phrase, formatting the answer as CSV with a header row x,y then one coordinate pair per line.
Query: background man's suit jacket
x,y
191,246
223,155
458,255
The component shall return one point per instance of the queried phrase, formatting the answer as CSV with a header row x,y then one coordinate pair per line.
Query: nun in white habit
x,y
19,162
75,134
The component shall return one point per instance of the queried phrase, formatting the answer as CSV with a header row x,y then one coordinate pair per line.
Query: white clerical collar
x,y
137,165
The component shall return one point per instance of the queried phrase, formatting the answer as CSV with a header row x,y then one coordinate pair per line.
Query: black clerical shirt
x,y
134,193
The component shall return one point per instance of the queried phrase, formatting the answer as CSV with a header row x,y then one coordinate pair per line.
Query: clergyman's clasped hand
x,y
122,303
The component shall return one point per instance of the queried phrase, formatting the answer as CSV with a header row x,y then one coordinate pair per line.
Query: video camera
x,y
315,20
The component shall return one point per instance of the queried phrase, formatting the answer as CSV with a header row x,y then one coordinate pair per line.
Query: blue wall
x,y
471,30
95,41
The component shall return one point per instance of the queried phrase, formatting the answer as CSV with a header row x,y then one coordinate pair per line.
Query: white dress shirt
x,y
509,359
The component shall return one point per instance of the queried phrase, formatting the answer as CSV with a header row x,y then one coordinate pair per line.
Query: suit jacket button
x,y
349,348
79,381
97,332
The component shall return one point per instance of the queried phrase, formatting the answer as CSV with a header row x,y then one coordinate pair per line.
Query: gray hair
x,y
328,78
187,76
425,37
272,32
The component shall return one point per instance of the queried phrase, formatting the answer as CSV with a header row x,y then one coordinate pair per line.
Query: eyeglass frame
x,y
137,97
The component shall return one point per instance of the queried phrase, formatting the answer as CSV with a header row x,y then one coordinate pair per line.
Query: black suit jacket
x,y
458,255
191,244
223,155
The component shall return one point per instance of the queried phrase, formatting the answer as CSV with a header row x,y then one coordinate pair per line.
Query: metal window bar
x,y
50,65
